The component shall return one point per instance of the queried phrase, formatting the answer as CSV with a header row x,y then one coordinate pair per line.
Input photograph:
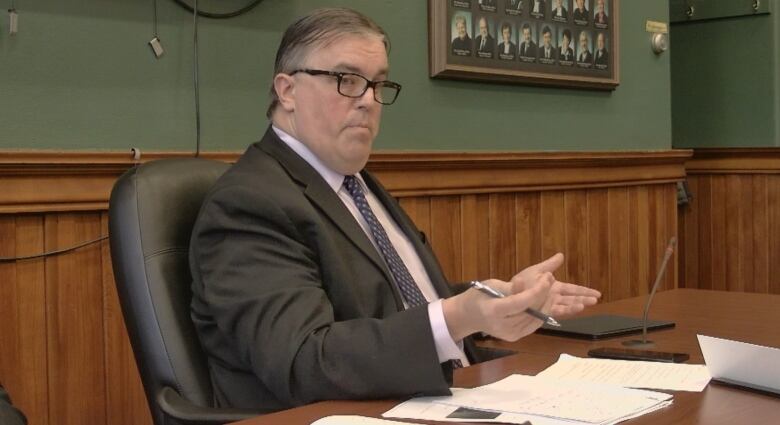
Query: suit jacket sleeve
x,y
8,413
261,261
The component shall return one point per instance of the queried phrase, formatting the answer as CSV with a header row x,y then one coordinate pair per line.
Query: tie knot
x,y
352,185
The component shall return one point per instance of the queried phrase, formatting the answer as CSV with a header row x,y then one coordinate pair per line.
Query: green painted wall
x,y
79,75
725,82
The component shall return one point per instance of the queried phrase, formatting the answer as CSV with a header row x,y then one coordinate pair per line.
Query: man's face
x,y
505,34
527,35
483,27
600,41
547,39
580,4
583,41
339,130
566,41
600,5
558,4
461,27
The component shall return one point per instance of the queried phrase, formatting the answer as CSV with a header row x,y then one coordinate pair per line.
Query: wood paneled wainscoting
x,y
64,352
731,229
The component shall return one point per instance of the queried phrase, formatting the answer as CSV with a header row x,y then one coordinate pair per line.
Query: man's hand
x,y
505,318
565,298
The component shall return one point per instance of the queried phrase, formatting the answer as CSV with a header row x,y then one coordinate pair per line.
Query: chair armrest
x,y
185,412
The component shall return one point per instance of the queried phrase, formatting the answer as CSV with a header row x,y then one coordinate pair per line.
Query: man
x,y
506,49
515,5
528,46
485,42
566,53
581,13
547,54
601,14
559,12
537,10
462,43
602,56
9,415
309,280
585,56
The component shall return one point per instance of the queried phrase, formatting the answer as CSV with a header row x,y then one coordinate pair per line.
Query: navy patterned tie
x,y
409,289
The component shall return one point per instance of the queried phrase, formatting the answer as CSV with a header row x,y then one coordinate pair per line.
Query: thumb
x,y
551,264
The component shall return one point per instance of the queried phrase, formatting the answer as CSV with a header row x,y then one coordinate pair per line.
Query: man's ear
x,y
285,90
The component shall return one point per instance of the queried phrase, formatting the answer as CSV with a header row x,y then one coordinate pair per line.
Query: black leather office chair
x,y
151,214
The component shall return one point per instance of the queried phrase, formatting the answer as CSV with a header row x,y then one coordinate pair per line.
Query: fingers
x,y
535,297
551,264
564,288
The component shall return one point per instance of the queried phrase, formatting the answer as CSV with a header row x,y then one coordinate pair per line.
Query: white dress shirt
x,y
446,347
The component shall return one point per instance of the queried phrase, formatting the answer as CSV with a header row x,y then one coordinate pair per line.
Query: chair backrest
x,y
152,211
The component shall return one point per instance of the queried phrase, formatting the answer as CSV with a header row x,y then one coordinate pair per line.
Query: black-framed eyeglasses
x,y
355,85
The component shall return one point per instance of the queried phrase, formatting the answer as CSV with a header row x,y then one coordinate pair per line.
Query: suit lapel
x,y
323,197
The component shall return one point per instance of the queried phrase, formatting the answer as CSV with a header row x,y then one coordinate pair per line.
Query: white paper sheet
x,y
552,398
631,374
353,420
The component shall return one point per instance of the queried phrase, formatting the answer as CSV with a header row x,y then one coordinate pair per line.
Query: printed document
x,y
631,374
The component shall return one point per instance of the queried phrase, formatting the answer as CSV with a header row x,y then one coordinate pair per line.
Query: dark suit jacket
x,y
553,52
564,13
581,15
530,51
515,5
566,55
292,302
512,49
603,59
9,415
461,43
585,57
490,44
600,18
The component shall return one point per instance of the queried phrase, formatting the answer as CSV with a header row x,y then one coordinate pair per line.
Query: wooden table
x,y
746,317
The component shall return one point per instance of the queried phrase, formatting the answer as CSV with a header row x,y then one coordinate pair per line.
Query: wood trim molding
x,y
734,161
45,181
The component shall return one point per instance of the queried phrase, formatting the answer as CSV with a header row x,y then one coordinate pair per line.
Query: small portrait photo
x,y
548,48
581,12
528,47
461,39
601,55
484,42
566,51
537,8
507,45
601,14
466,4
585,50
560,10
488,5
514,7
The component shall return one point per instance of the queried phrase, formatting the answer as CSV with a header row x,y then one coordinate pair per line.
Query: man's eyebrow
x,y
353,69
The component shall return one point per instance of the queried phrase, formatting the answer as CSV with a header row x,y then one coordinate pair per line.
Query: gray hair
x,y
317,30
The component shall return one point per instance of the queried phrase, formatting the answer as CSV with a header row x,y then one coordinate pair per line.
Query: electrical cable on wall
x,y
155,42
13,19
51,253
215,15
196,78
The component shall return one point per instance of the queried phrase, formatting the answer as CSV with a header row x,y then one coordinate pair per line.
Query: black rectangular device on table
x,y
602,326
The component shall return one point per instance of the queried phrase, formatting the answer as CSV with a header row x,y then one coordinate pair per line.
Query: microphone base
x,y
639,343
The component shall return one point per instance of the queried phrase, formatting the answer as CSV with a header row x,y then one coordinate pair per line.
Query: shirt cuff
x,y
446,348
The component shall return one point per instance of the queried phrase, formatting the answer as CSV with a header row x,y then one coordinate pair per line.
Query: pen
x,y
495,293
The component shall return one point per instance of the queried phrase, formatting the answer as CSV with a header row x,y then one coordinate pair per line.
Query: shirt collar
x,y
334,179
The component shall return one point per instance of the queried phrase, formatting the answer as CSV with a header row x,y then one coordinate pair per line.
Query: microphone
x,y
644,342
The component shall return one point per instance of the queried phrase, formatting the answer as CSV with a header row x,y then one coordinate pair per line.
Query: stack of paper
x,y
540,400
630,373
